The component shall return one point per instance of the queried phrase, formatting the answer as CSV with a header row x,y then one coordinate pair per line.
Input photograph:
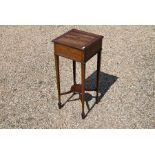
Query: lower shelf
x,y
76,88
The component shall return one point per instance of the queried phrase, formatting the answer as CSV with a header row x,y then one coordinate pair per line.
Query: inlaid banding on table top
x,y
77,39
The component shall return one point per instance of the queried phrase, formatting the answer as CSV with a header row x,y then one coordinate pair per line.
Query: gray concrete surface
x,y
28,94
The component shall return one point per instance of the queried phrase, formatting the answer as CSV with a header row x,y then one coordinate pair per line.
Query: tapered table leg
x,y
74,72
83,88
98,74
58,79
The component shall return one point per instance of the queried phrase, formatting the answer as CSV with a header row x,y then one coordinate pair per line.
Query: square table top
x,y
77,39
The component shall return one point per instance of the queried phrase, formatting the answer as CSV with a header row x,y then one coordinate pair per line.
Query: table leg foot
x,y
97,100
59,105
83,115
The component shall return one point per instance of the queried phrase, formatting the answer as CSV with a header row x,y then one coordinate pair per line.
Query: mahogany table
x,y
78,46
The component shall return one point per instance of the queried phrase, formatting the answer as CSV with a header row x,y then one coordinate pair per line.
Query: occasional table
x,y
79,46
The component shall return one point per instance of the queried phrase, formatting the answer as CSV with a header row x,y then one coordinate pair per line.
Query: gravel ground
x,y
28,94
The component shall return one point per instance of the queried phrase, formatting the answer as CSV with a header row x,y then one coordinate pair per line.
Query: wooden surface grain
x,y
77,39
